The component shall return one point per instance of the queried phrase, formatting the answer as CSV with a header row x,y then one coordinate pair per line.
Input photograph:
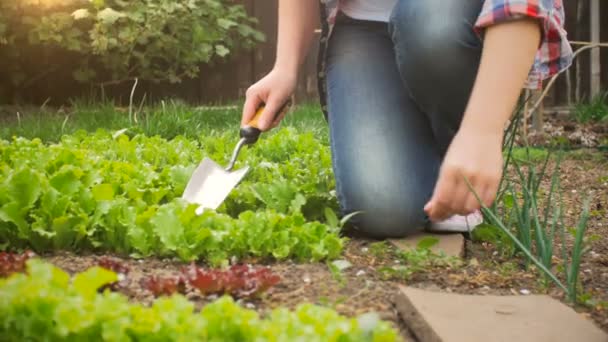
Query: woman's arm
x,y
508,54
476,151
297,22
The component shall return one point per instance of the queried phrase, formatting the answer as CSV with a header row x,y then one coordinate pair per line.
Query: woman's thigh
x,y
438,56
384,155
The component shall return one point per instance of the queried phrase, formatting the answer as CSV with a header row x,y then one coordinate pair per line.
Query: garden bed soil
x,y
560,129
362,288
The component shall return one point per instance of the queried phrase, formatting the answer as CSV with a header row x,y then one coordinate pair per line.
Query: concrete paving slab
x,y
447,317
450,244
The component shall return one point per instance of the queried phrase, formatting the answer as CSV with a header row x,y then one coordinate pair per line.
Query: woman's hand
x,y
297,23
475,153
476,157
272,91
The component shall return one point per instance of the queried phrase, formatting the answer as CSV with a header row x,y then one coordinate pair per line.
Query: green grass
x,y
167,119
530,155
594,110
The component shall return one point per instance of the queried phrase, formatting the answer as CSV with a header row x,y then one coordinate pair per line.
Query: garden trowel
x,y
210,183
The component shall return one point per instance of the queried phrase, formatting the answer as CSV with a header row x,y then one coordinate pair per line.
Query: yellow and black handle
x,y
251,132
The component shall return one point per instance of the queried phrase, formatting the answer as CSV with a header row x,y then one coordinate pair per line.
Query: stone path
x,y
450,244
445,317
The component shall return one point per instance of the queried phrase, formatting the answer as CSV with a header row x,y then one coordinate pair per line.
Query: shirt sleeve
x,y
555,53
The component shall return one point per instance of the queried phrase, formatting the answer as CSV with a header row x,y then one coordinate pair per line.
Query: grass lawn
x,y
167,119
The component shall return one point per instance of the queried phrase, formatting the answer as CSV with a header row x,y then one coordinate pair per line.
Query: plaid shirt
x,y
553,56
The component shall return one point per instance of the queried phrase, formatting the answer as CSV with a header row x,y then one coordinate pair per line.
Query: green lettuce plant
x,y
46,304
106,192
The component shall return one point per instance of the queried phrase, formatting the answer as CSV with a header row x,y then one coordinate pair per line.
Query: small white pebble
x,y
141,261
121,277
306,279
573,191
397,261
369,321
524,292
250,306
342,265
587,271
364,249
360,273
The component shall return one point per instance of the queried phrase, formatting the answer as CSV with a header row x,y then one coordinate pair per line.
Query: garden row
x,y
46,304
122,194
117,193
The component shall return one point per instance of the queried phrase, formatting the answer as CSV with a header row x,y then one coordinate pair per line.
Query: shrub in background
x,y
112,41
593,110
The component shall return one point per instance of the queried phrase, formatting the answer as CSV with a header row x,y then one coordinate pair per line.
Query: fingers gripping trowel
x,y
210,184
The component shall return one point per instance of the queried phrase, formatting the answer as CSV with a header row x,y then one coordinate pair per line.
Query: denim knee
x,y
434,32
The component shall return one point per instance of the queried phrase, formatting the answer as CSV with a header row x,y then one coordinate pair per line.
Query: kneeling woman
x,y
417,94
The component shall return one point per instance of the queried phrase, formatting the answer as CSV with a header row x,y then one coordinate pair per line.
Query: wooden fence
x,y
227,81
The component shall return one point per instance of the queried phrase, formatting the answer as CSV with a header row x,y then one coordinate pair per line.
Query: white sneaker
x,y
457,223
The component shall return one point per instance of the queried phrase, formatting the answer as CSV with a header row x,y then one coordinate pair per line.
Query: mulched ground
x,y
560,129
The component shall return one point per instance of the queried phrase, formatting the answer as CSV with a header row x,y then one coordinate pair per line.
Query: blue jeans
x,y
396,96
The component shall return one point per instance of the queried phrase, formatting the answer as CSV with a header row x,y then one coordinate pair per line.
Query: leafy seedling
x,y
164,286
418,260
336,273
117,266
380,249
239,281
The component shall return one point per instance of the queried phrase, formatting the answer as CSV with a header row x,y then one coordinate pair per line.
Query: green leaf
x,y
24,187
88,282
13,212
347,218
168,227
109,16
226,24
297,203
221,50
67,181
103,192
81,13
331,218
46,275
427,243
98,3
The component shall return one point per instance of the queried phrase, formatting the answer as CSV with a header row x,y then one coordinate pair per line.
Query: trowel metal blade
x,y
211,184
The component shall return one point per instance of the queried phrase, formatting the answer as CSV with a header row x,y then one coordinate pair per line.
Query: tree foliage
x,y
111,41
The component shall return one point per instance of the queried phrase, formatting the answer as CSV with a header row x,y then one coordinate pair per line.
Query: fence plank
x,y
596,72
